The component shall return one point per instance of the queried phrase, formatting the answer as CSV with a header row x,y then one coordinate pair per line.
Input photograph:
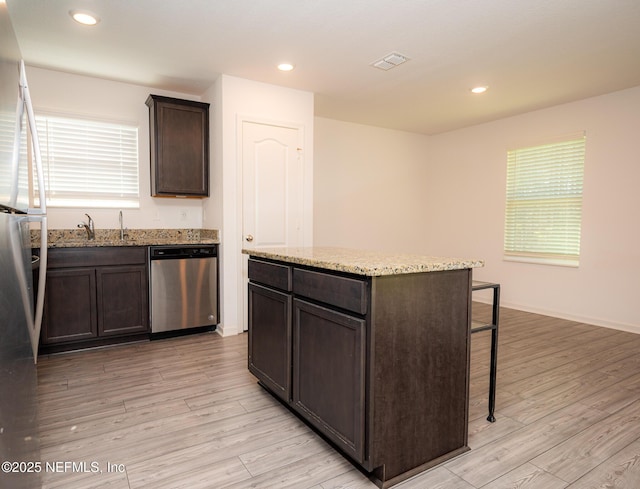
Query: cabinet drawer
x,y
271,274
344,292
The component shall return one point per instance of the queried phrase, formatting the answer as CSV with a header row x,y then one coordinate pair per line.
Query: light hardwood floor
x,y
186,413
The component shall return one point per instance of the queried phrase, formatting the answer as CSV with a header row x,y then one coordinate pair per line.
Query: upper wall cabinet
x,y
179,133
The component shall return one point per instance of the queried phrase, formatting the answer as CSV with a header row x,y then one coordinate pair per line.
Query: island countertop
x,y
363,262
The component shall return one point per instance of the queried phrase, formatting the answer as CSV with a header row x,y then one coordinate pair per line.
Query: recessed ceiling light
x,y
84,17
285,67
479,89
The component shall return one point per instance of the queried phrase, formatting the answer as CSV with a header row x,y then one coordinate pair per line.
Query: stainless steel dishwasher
x,y
183,287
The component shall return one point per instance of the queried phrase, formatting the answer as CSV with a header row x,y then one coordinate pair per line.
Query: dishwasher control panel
x,y
177,252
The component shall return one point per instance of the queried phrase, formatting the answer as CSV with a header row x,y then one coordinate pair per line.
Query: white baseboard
x,y
630,328
226,330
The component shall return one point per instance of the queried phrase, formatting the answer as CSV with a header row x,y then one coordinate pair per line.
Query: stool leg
x,y
492,375
494,355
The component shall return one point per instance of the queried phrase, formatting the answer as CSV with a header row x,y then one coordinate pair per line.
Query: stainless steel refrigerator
x,y
20,305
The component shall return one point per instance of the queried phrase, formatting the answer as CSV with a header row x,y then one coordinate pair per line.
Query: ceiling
x,y
531,53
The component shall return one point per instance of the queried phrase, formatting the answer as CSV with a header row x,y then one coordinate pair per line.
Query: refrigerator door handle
x,y
36,215
42,279
34,139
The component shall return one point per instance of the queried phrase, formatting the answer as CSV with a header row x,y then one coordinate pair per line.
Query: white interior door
x,y
272,190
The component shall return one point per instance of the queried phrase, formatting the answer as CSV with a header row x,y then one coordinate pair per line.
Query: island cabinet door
x,y
270,339
329,374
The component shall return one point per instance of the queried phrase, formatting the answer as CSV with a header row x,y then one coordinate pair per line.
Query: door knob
x,y
249,238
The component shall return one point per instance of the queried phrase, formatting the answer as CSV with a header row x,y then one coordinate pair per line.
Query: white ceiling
x,y
531,53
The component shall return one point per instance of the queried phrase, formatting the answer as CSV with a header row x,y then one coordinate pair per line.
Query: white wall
x,y
234,99
368,187
74,95
459,193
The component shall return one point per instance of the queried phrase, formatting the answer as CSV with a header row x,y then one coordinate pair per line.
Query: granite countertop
x,y
362,262
77,238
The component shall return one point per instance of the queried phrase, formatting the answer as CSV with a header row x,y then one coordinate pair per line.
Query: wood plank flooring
x,y
186,413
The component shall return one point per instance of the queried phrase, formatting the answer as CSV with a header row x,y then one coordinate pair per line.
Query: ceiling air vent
x,y
390,61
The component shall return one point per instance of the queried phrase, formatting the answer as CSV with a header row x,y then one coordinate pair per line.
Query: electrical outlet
x,y
183,215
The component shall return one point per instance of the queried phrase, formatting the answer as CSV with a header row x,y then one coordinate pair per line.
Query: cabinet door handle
x,y
249,238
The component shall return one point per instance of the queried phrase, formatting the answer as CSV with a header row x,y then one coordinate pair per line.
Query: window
x,y
7,141
544,202
88,163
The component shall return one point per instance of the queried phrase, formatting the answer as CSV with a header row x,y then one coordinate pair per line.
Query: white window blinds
x,y
544,202
7,130
89,163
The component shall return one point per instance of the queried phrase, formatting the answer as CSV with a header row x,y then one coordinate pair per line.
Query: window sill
x,y
538,260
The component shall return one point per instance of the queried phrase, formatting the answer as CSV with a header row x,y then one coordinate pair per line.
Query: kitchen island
x,y
369,348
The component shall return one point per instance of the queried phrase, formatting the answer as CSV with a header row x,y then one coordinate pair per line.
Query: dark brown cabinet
x,y
329,373
379,365
70,312
179,138
122,301
94,295
270,326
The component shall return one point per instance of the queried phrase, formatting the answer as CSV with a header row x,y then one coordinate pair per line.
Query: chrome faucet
x,y
121,227
91,233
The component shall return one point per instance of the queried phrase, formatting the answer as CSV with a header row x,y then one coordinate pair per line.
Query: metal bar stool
x,y
477,326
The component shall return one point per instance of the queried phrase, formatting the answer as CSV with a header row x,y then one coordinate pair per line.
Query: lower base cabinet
x,y
70,311
329,374
94,296
122,300
378,365
270,339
